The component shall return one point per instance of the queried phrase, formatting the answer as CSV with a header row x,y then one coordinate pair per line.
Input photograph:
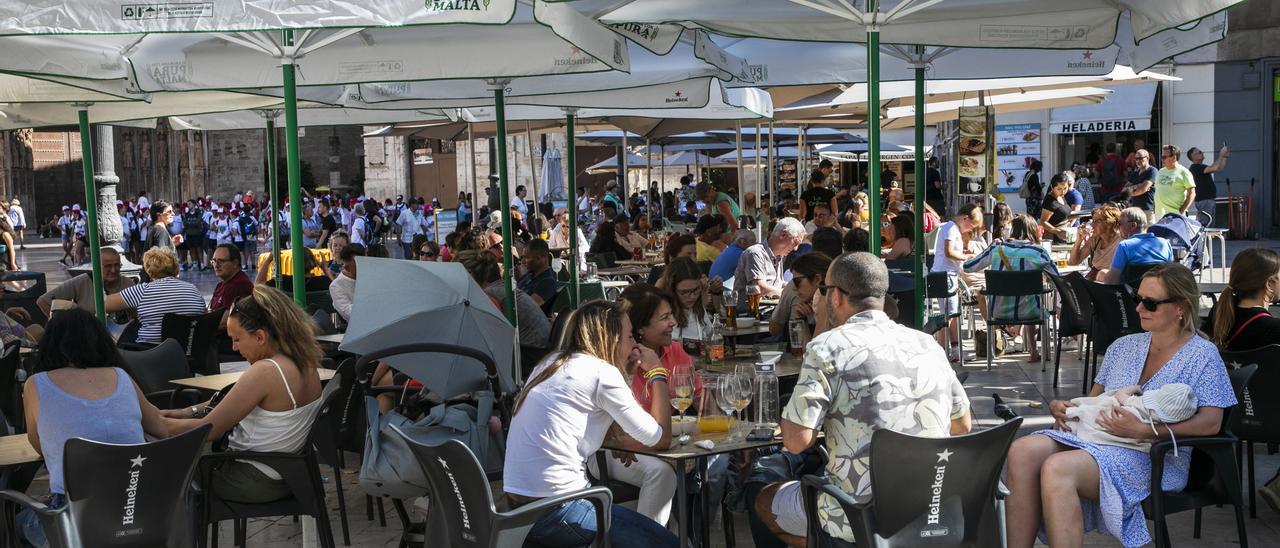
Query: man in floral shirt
x,y
865,373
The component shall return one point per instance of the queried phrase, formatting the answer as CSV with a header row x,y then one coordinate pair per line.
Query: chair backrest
x,y
324,322
938,491
1132,274
655,274
459,485
1077,309
557,328
1257,418
705,267
1114,315
321,300
10,389
153,368
324,435
1013,283
131,495
198,336
590,291
938,285
905,264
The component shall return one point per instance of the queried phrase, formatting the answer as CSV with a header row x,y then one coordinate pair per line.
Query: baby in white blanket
x,y
1170,403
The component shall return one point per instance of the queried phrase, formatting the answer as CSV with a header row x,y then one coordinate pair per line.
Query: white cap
x,y
75,207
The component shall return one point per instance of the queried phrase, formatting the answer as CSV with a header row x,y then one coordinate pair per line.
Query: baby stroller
x,y
1187,237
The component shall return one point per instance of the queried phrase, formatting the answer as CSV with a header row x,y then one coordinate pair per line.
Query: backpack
x,y
193,222
1110,177
248,226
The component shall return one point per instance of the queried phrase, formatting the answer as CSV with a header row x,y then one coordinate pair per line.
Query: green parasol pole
x,y
504,201
921,181
873,126
295,177
273,192
571,169
91,209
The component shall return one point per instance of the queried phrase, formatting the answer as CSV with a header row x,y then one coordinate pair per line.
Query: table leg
x,y
682,505
704,528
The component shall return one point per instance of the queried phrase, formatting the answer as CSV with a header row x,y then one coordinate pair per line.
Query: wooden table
x,y
1212,288
647,262
214,383
16,449
788,366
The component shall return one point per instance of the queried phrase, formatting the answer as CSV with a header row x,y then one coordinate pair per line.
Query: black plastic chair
x,y
1132,274
557,328
1015,284
324,322
1214,473
603,260
122,495
1074,316
10,388
153,368
906,471
1258,420
300,471
198,336
942,286
463,513
1114,316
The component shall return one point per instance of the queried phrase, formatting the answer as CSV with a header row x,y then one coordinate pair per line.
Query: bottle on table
x,y
713,348
766,396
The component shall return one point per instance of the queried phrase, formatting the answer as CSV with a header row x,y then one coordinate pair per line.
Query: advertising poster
x,y
974,154
446,222
1017,145
787,174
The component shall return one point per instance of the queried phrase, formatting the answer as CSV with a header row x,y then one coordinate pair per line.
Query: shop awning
x,y
1126,108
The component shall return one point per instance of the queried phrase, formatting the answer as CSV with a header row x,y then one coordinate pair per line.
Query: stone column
x,y
104,177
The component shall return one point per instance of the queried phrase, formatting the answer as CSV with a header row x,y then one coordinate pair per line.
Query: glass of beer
x,y
795,332
730,301
753,301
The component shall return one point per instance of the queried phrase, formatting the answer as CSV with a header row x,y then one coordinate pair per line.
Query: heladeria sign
x,y
1101,126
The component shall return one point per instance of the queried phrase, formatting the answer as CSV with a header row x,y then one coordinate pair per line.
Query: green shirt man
x,y
1172,184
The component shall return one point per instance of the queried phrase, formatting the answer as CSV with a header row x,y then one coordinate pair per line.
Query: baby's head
x,y
1170,403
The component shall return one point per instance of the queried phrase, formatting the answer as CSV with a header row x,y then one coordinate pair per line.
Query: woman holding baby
x,y
1063,485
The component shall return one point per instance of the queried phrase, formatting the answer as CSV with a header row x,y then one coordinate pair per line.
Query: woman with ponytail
x,y
1240,320
272,406
562,416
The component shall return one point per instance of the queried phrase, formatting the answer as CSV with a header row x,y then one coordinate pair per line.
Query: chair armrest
x,y
1002,491
22,499
1161,447
811,486
599,497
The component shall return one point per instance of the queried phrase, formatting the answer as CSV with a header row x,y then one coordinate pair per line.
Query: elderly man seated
x,y
1136,247
863,374
761,264
79,290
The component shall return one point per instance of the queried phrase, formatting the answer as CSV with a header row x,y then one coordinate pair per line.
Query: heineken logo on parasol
x,y
576,57
1087,61
677,97
458,5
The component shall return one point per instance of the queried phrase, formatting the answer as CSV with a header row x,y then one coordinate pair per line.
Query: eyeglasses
x,y
1151,304
689,292
216,260
822,288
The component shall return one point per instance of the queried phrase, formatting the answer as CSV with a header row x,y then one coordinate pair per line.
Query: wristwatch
x,y
195,412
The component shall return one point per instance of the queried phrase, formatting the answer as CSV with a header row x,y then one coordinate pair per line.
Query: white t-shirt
x,y
941,262
357,231
563,421
692,330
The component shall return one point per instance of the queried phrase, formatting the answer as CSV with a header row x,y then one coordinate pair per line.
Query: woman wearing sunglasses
x,y
797,297
1071,486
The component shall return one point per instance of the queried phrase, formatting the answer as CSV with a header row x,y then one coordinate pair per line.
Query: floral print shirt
x,y
868,374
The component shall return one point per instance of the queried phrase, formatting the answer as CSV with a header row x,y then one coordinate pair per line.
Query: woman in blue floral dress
x,y
1062,486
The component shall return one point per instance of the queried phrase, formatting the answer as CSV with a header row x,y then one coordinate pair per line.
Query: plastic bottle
x,y
766,400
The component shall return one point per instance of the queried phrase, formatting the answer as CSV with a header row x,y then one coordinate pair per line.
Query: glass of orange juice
x,y
712,419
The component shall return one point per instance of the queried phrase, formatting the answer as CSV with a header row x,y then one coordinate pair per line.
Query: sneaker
x,y
1270,494
954,354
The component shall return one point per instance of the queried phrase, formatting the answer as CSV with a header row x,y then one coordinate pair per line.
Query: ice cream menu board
x,y
787,174
1017,145
973,151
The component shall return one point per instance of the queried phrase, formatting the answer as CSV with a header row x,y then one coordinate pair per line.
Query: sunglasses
x,y
1151,304
822,289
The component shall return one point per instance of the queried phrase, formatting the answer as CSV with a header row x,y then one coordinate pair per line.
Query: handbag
x,y
1024,191
390,468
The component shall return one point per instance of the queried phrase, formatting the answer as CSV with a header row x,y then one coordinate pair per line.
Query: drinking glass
x,y
712,418
753,301
593,272
681,385
734,396
746,372
730,301
725,401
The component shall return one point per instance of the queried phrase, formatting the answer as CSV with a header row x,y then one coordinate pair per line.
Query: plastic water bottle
x,y
766,397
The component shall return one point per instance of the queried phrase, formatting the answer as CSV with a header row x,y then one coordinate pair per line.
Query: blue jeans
x,y
28,523
574,524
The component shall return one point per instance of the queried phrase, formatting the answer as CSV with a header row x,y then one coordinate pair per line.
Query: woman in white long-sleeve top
x,y
562,418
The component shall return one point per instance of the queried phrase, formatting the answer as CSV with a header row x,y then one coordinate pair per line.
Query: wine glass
x,y
746,372
681,385
725,401
739,393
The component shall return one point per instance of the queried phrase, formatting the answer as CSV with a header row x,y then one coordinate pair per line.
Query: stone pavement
x,y
1023,385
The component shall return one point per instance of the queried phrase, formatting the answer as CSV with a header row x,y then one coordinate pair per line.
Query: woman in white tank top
x,y
275,402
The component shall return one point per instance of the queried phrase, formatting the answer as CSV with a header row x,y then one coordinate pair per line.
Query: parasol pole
x,y
917,265
504,200
571,169
91,209
295,176
873,122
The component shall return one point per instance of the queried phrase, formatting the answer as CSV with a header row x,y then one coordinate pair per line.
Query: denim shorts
x,y
28,522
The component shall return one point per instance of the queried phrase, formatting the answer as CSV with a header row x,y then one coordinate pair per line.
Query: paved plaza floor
x,y
1023,385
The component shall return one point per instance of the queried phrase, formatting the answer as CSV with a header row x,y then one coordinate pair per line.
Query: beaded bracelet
x,y
654,379
656,371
